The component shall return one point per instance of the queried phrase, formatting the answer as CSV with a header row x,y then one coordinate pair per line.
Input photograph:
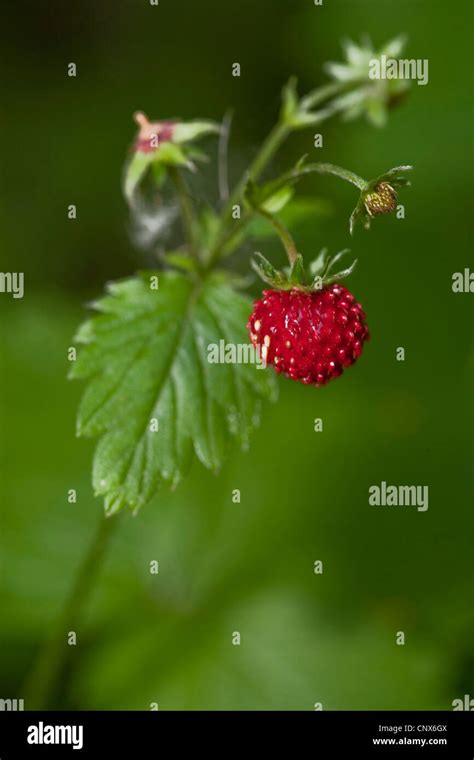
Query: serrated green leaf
x,y
146,356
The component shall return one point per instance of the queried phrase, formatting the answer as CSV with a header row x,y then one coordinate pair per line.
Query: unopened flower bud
x,y
152,133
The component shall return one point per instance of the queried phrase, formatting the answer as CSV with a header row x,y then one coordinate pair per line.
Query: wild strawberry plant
x,y
153,399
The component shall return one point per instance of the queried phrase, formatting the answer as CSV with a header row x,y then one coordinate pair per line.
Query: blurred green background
x,y
244,567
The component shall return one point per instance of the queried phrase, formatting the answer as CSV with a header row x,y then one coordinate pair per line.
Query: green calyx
x,y
316,276
378,196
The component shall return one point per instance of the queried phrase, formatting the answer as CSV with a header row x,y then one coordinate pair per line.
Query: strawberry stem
x,y
284,234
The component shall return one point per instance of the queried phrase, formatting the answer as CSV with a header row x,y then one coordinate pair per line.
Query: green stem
x,y
280,132
187,211
325,92
293,175
288,178
223,151
233,234
42,683
277,136
337,171
283,233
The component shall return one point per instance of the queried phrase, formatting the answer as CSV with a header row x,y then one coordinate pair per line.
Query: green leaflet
x,y
145,355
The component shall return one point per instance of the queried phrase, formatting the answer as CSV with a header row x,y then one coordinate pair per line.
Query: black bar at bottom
x,y
148,734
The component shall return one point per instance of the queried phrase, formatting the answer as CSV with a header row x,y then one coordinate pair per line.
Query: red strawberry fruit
x,y
310,335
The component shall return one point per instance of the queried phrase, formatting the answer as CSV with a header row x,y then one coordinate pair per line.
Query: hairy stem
x,y
223,168
233,235
43,680
325,92
277,136
226,244
187,211
274,140
337,171
292,176
284,234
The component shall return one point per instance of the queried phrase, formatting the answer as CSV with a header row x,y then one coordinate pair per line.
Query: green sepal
x,y
318,264
340,275
316,276
172,155
322,266
135,171
267,272
297,273
196,154
395,177
159,173
331,261
193,130
168,154
290,103
296,113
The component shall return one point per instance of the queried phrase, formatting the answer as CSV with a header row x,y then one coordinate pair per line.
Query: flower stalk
x,y
283,233
42,682
187,209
